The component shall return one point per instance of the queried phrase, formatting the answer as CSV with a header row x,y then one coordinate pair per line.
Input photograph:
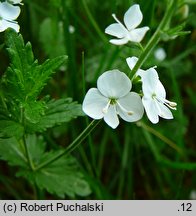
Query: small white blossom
x,y
160,54
193,195
154,94
8,15
71,29
111,98
127,32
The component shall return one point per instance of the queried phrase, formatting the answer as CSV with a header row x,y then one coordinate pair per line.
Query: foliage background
x,y
135,161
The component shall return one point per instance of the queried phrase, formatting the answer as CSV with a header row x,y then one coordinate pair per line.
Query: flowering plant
x,y
9,12
132,19
112,98
118,87
105,102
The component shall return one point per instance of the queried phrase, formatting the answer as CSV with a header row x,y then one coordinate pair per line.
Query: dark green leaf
x,y
63,177
60,177
33,111
25,79
12,151
57,112
10,129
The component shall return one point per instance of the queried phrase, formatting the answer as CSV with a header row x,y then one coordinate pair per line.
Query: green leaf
x,y
34,111
53,31
12,151
25,78
57,112
172,33
60,177
63,177
10,128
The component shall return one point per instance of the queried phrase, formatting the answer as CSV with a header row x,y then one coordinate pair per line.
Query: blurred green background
x,y
135,161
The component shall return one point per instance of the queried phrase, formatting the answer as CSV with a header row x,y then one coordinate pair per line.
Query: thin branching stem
x,y
73,145
155,38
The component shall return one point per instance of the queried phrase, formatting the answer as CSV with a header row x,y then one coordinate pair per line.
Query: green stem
x,y
30,162
155,38
73,145
160,136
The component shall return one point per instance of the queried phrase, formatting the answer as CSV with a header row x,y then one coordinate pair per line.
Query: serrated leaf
x,y
12,151
10,128
60,177
36,148
25,78
33,111
57,112
41,74
63,177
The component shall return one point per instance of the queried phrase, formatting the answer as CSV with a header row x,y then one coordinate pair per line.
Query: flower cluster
x,y
9,12
113,96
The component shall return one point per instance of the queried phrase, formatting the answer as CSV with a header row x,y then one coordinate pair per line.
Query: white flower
x,y
111,98
160,54
8,14
71,29
129,32
154,95
131,61
193,195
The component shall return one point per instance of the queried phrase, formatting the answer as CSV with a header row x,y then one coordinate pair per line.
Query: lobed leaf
x,y
57,112
25,78
60,177
12,151
10,128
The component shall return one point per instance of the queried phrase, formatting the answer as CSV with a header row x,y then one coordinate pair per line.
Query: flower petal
x,y
164,111
111,117
136,35
131,61
133,103
151,109
119,41
117,30
133,17
150,80
150,74
93,103
8,11
114,84
5,24
160,90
